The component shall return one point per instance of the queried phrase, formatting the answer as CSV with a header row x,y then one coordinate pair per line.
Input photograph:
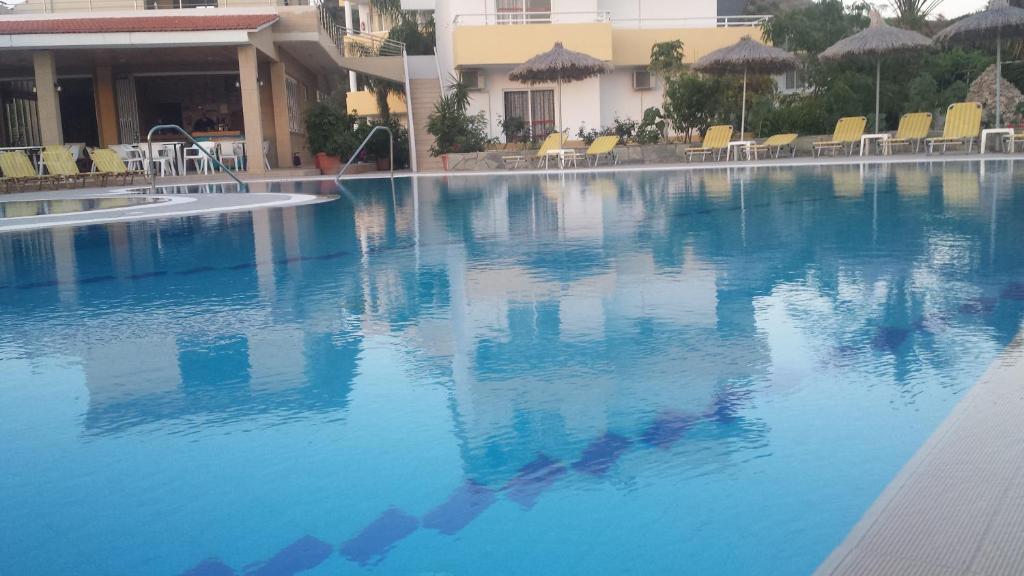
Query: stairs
x,y
425,93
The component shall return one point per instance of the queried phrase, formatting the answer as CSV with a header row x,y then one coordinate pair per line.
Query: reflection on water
x,y
475,375
20,208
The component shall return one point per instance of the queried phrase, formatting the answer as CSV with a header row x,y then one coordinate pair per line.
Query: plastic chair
x,y
199,159
233,152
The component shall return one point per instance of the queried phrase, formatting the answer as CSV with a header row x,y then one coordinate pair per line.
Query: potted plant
x,y
377,148
453,129
327,130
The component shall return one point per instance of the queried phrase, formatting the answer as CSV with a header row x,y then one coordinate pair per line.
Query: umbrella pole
x,y
999,78
560,121
878,90
743,115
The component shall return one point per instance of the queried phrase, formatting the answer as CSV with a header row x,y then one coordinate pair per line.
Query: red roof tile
x,y
137,24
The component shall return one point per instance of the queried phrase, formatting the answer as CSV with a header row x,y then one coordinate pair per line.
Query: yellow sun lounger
x,y
106,161
963,126
554,141
61,165
603,146
776,143
846,136
18,170
912,131
716,142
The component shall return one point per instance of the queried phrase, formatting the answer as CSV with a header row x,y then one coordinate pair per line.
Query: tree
x,y
692,102
914,14
667,58
453,129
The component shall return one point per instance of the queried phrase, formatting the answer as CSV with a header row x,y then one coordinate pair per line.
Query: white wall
x,y
658,9
581,101
619,99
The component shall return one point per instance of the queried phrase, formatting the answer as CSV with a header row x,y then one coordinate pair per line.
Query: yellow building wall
x,y
365,103
483,45
633,47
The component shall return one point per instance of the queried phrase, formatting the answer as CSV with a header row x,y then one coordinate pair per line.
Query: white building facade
x,y
481,41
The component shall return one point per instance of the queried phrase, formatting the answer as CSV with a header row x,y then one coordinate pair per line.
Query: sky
x,y
951,8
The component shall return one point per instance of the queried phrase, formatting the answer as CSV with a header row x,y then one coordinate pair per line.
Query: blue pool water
x,y
679,373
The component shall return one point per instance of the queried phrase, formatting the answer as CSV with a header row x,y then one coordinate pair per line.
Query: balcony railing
x,y
500,18
716,22
353,43
66,6
513,18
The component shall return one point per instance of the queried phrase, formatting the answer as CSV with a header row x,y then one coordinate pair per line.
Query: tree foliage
x,y
453,128
927,81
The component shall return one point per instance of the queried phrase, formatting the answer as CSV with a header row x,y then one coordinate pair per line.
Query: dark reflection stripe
x,y
210,567
147,275
195,270
599,456
466,503
533,479
380,536
96,279
304,554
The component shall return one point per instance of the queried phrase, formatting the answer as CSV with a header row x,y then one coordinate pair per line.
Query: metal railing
x,y
502,18
391,152
49,6
709,22
242,186
515,18
356,43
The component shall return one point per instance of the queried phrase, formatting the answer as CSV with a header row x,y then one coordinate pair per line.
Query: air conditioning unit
x,y
473,79
643,79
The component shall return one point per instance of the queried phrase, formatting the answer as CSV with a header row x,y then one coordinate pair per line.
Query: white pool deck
x,y
956,508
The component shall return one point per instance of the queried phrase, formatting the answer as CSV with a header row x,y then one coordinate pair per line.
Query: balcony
x,y
66,6
506,39
512,38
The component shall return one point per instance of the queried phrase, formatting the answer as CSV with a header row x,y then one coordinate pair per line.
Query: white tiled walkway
x,y
957,508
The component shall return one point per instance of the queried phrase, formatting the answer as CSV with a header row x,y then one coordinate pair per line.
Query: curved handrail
x,y
152,168
391,151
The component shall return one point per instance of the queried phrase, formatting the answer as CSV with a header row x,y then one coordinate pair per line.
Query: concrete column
x,y
106,109
282,132
248,79
352,83
47,98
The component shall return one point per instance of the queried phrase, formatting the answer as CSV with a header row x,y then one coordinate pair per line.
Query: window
x,y
294,104
794,81
536,107
523,11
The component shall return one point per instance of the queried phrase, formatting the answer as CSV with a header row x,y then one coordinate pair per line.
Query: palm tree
x,y
913,13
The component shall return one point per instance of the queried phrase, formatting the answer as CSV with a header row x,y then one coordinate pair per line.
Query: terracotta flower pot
x,y
328,165
444,161
383,164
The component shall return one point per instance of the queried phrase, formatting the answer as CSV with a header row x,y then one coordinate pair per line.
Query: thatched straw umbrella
x,y
999,19
559,65
747,56
875,41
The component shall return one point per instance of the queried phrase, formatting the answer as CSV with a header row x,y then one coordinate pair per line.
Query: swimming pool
x,y
24,208
670,372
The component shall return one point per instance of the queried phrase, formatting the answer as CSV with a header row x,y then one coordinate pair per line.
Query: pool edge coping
x,y
1006,365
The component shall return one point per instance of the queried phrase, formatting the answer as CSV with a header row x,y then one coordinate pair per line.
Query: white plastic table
x,y
1005,132
561,153
880,139
737,145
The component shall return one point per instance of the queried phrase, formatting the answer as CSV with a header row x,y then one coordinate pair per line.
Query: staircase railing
x,y
391,151
242,186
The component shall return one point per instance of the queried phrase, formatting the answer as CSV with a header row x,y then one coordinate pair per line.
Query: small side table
x,y
733,149
562,153
1004,132
880,139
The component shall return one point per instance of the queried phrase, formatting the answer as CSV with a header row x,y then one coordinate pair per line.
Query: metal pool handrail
x,y
391,151
217,163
